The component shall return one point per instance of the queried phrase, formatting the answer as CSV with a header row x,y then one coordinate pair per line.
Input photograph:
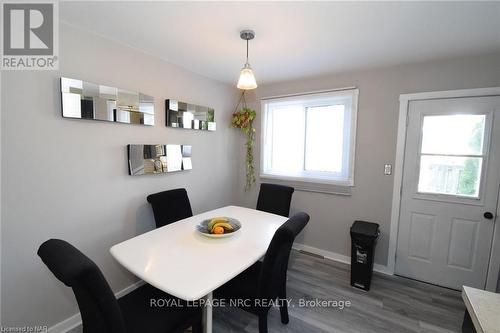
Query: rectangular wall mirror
x,y
85,100
151,159
190,116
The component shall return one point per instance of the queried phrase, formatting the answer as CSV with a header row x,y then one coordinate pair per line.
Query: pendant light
x,y
247,79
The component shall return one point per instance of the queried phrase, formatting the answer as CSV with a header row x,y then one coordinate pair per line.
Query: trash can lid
x,y
365,228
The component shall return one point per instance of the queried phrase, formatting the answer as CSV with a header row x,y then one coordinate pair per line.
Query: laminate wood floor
x,y
393,304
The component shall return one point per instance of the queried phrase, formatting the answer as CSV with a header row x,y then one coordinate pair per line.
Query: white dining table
x,y
180,261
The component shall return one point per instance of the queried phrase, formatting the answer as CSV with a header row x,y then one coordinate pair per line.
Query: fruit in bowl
x,y
218,230
219,226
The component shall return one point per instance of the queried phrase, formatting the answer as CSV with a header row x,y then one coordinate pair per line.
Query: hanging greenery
x,y
243,119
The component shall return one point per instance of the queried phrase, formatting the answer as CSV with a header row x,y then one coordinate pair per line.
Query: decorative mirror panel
x,y
147,159
191,116
85,100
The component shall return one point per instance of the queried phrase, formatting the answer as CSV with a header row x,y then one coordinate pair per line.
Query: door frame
x,y
404,102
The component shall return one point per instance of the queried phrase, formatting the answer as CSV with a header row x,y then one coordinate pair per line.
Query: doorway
x,y
449,190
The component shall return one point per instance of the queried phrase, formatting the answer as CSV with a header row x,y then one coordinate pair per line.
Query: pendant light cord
x,y
247,51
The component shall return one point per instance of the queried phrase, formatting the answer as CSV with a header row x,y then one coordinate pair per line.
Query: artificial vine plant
x,y
243,119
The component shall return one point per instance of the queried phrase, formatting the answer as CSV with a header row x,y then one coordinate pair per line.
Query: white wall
x,y
68,179
379,90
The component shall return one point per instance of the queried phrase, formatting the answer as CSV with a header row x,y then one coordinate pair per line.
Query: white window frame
x,y
448,197
308,100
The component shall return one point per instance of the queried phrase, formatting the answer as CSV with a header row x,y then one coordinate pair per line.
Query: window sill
x,y
310,186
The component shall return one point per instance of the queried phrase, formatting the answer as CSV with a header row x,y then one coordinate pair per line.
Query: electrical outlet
x,y
387,169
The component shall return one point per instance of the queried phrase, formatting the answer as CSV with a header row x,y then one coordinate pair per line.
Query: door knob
x,y
488,215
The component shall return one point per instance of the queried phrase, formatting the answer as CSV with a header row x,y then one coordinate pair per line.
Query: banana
x,y
215,220
227,226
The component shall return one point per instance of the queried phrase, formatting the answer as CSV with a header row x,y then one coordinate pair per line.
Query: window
x,y
452,154
310,138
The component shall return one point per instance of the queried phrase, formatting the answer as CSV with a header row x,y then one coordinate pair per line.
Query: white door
x,y
450,190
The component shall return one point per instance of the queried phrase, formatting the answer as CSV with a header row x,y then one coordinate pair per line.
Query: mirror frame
x,y
144,159
173,107
105,103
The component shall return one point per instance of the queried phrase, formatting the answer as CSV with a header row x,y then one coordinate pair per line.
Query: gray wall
x,y
68,178
378,108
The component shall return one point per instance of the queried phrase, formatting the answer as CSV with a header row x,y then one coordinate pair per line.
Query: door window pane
x,y
461,134
324,138
450,175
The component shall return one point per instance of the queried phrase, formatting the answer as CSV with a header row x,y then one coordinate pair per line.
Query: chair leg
x,y
284,307
284,313
263,323
198,327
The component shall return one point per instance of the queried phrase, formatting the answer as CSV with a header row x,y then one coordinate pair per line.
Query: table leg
x,y
207,314
468,325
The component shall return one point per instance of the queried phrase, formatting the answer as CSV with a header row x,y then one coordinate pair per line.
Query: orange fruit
x,y
218,230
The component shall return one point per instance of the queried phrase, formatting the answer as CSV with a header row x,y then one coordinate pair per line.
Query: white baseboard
x,y
66,325
338,257
130,288
76,320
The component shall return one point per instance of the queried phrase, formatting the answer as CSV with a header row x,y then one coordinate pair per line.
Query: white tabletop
x,y
484,309
183,263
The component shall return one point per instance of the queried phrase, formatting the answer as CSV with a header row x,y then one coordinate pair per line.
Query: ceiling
x,y
293,39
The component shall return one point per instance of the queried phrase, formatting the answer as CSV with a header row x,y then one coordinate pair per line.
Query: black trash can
x,y
363,239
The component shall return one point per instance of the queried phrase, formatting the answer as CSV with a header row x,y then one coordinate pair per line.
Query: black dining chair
x,y
275,199
265,281
100,310
170,206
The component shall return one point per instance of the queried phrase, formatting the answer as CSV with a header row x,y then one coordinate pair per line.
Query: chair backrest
x,y
98,306
170,206
272,280
275,199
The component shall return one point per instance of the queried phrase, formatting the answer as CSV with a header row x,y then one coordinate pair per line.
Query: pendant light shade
x,y
247,79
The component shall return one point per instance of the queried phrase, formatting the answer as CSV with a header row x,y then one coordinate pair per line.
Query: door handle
x,y
488,215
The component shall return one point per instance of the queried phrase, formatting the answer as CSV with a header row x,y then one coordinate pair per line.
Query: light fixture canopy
x,y
247,79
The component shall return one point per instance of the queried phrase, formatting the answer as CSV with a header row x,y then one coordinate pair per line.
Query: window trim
x,y
351,92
